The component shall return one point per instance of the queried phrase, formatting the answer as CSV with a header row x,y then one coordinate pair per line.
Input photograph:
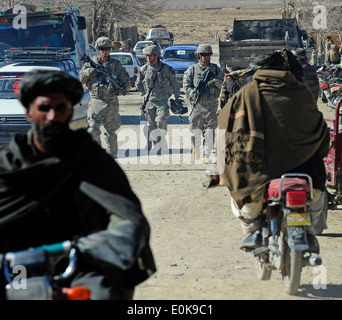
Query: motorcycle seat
x,y
289,184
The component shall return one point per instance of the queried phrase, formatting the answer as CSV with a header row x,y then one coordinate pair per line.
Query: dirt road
x,y
195,237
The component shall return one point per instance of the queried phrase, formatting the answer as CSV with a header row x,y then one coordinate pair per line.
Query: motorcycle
x,y
33,274
330,84
333,161
285,244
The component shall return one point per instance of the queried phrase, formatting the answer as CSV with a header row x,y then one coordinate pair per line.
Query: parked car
x,y
180,57
12,112
160,34
138,49
130,62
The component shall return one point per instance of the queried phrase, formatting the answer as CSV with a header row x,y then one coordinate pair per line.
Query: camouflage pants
x,y
203,122
106,117
157,114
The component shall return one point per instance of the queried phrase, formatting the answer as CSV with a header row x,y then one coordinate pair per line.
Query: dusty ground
x,y
195,238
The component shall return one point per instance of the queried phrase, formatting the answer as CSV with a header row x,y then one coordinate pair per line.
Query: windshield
x,y
9,85
180,55
124,59
40,32
141,46
158,34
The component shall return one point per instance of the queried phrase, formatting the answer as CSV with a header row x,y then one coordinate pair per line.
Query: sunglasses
x,y
205,54
104,49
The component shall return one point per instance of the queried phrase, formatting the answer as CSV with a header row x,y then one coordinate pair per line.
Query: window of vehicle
x,y
141,46
180,55
158,33
40,32
124,59
9,85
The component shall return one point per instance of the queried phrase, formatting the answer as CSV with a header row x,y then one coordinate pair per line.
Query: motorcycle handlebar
x,y
54,249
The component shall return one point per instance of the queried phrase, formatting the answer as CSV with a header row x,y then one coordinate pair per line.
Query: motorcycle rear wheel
x,y
291,271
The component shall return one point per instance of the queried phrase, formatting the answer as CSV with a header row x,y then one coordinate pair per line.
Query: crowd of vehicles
x,y
330,79
287,211
19,62
52,39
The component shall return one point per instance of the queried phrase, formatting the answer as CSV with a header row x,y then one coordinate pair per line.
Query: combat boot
x,y
206,160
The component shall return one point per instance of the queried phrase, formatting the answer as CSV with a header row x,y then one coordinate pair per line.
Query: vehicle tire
x,y
292,269
262,272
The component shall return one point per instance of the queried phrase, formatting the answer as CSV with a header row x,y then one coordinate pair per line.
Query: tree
x,y
322,19
105,16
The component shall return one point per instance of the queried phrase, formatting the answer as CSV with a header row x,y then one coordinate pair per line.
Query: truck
x,y
27,26
251,38
160,34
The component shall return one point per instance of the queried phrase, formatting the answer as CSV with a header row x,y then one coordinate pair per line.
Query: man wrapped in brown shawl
x,y
271,126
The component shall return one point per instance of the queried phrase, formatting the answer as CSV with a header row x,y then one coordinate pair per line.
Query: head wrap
x,y
279,60
40,82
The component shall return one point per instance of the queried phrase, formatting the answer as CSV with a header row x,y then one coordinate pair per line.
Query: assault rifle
x,y
200,87
105,72
143,106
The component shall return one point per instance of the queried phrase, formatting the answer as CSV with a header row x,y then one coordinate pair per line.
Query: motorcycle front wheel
x,y
291,271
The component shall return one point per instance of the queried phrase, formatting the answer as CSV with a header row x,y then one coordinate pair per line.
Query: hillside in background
x,y
196,25
219,3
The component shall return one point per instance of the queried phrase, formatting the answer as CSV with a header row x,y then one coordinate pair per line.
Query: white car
x,y
130,62
12,112
138,49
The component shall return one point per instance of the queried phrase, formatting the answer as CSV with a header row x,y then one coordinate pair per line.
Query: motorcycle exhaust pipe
x,y
313,261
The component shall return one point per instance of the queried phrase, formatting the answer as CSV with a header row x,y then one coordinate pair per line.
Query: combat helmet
x,y
153,49
103,42
204,48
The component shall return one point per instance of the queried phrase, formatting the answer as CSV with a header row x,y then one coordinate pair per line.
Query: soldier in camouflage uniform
x,y
103,108
159,79
310,75
203,119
